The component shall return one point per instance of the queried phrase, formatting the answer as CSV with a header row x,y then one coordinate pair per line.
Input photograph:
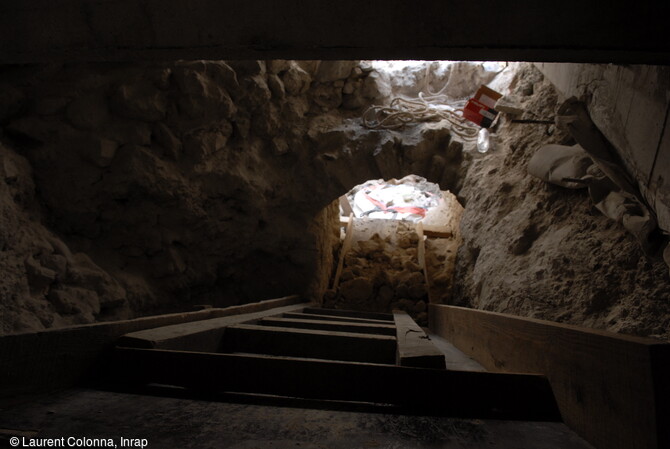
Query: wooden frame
x,y
612,389
426,391
60,358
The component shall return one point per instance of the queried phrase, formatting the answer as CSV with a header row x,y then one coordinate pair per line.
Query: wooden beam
x,y
310,344
421,246
421,254
337,326
346,245
426,391
68,356
349,313
443,232
202,335
414,347
346,206
344,319
612,389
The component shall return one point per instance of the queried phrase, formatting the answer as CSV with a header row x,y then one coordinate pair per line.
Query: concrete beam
x,y
114,30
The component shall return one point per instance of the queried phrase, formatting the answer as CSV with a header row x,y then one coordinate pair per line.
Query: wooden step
x,y
428,391
204,335
349,313
318,344
313,316
338,326
414,347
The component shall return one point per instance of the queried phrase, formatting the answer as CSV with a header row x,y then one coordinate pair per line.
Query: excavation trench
x,y
136,189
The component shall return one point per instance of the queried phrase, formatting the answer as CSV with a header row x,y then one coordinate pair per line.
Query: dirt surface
x,y
169,422
539,250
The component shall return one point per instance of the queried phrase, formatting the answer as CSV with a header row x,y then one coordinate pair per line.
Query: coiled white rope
x,y
401,112
435,106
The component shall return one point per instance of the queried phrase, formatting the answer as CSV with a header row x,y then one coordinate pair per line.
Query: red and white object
x,y
480,109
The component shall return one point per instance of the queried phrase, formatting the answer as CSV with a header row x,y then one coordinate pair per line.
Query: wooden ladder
x,y
312,353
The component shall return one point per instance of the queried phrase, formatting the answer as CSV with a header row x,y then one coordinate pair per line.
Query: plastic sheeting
x,y
407,199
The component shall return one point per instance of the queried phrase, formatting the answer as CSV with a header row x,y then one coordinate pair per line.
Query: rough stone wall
x,y
139,188
130,189
44,283
195,182
538,250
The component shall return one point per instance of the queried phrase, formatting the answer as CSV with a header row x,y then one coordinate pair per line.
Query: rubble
x,y
383,274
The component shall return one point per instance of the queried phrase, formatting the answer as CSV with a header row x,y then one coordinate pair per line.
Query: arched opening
x,y
399,243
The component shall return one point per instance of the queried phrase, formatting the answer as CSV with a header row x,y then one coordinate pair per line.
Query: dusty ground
x,y
539,250
169,422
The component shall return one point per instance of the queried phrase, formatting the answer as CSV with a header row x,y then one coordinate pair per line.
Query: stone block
x,y
330,71
357,290
296,80
140,100
276,86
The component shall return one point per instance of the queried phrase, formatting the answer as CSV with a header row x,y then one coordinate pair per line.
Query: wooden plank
x,y
346,245
454,358
346,206
349,313
310,343
344,319
338,326
421,246
414,347
204,336
612,389
464,394
70,355
421,254
437,231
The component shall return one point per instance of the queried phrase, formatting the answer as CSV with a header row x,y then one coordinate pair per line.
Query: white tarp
x,y
406,199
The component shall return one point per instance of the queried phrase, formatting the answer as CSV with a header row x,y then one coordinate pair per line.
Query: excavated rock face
x,y
44,283
131,187
128,189
538,250
188,182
